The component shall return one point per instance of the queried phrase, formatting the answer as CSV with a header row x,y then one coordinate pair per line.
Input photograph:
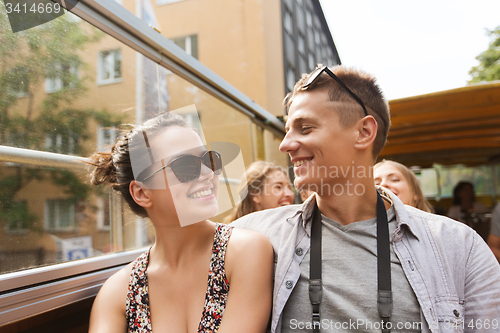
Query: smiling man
x,y
353,257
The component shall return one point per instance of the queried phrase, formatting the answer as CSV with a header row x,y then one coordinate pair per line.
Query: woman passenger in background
x,y
264,185
199,276
402,182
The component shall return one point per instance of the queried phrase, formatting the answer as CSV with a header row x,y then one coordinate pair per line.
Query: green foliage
x,y
33,119
489,61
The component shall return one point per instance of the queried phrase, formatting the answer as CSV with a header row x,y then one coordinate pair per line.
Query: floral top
x,y
137,308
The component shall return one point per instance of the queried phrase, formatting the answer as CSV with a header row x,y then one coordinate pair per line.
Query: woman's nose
x,y
206,173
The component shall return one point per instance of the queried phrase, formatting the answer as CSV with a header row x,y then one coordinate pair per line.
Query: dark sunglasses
x,y
188,167
317,72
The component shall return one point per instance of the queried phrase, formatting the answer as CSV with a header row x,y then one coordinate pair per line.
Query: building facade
x,y
68,92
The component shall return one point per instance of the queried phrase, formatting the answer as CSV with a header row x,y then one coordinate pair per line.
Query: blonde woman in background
x,y
402,182
264,185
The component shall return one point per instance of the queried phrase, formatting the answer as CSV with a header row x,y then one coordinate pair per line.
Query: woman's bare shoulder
x,y
108,310
245,240
249,247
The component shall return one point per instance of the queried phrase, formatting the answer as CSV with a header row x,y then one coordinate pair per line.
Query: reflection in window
x,y
103,218
17,219
106,137
109,66
60,215
188,44
61,76
59,143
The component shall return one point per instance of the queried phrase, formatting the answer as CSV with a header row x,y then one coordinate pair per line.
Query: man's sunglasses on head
x,y
317,72
188,167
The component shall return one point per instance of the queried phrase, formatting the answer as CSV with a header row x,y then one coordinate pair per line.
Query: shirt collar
x,y
402,218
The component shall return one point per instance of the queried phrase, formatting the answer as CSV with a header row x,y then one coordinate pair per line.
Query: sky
x,y
412,47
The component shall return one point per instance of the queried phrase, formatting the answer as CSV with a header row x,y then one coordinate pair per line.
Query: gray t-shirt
x,y
349,274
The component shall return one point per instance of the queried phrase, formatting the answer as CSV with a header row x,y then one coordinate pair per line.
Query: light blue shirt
x,y
452,271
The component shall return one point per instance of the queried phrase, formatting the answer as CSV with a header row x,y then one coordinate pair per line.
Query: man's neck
x,y
350,207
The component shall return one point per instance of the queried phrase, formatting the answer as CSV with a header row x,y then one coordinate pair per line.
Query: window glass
x,y
480,176
447,177
50,102
109,66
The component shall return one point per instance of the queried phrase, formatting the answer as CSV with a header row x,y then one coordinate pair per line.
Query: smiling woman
x,y
402,182
164,172
264,185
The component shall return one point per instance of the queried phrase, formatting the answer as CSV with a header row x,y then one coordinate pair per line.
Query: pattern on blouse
x,y
137,306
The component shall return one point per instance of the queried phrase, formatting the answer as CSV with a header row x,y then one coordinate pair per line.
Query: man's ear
x,y
256,199
367,132
141,196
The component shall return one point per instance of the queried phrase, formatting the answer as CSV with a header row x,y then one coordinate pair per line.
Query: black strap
x,y
315,284
384,296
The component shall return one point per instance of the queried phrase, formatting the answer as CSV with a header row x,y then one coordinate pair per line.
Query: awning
x,y
458,126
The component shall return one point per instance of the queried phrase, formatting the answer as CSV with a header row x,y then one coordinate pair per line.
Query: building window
x,y
309,19
59,215
16,222
317,37
109,67
61,77
312,65
290,79
106,137
188,44
19,78
166,2
287,22
301,44
61,143
103,219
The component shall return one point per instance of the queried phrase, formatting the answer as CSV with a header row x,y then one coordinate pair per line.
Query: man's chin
x,y
304,184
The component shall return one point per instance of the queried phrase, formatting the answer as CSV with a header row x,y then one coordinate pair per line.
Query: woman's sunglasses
x,y
188,167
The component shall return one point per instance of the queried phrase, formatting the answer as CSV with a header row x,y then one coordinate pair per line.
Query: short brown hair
x,y
364,86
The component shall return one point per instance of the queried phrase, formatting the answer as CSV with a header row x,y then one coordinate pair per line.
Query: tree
x,y
489,60
32,117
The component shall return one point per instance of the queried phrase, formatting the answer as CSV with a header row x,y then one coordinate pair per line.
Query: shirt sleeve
x,y
482,288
